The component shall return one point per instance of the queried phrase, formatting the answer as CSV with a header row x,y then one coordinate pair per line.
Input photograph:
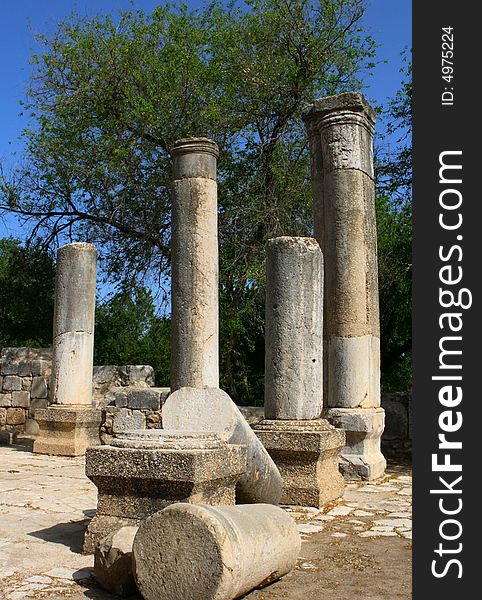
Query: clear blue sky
x,y
389,21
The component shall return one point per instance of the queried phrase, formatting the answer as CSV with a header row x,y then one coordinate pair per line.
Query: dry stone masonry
x,y
194,284
214,553
304,447
71,423
24,381
340,130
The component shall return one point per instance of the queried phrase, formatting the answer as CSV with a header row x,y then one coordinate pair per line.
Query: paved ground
x,y
358,548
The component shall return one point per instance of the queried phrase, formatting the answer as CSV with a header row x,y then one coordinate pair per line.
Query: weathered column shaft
x,y
294,329
341,132
73,335
213,553
194,287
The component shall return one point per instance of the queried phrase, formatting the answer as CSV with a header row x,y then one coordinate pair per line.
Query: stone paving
x,y
46,503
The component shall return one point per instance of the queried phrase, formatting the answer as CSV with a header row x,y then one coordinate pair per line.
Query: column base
x,y
361,458
167,467
306,454
67,430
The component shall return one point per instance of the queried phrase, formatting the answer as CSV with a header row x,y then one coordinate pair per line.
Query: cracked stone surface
x,y
357,547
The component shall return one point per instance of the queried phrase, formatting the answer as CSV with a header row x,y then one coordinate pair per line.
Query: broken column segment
x,y
71,423
304,447
294,329
211,409
194,245
340,130
213,553
146,470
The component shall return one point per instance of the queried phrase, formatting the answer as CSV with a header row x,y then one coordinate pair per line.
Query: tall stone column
x,y
304,446
194,286
340,130
70,424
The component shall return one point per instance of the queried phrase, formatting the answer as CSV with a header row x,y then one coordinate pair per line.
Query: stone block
x,y
21,399
32,427
8,368
140,374
113,562
6,399
39,387
213,552
9,355
34,368
149,469
26,384
126,420
3,416
361,458
154,420
11,383
147,398
106,374
67,430
36,403
307,454
211,409
15,416
8,437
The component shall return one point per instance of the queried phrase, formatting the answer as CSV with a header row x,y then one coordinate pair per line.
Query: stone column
x,y
340,130
73,339
190,551
194,287
294,329
304,446
71,423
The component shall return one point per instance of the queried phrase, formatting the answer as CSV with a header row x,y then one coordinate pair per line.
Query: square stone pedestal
x,y
67,430
144,471
361,458
306,454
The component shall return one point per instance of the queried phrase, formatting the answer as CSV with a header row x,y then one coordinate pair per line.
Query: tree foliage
x,y
27,281
394,221
128,331
110,96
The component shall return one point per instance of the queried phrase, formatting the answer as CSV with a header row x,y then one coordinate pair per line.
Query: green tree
x,y
108,99
127,331
394,221
27,282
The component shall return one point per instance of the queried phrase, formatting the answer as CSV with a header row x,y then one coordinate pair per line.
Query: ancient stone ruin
x,y
340,130
170,464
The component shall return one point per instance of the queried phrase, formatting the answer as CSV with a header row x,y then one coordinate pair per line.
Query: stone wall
x,y
24,387
24,383
397,435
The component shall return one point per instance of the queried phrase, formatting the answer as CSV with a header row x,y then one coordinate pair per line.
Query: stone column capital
x,y
343,109
200,145
194,157
78,247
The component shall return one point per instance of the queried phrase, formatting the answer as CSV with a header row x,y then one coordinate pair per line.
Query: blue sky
x,y
389,21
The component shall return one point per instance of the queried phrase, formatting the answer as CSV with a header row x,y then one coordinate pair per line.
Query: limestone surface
x,y
194,247
361,457
72,358
211,409
67,430
214,553
307,453
147,470
294,329
113,562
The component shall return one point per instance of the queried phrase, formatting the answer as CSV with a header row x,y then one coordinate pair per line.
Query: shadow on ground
x,y
69,534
